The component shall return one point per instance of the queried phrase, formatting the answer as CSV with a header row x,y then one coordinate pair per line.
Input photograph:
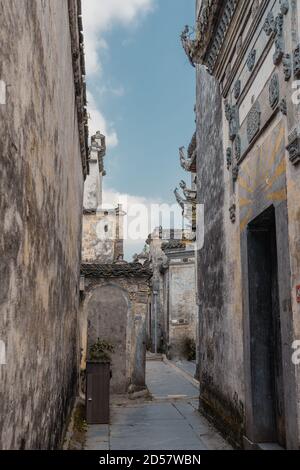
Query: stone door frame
x,y
286,320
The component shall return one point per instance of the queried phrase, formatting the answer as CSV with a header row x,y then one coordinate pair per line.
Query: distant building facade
x,y
114,293
172,314
247,59
102,239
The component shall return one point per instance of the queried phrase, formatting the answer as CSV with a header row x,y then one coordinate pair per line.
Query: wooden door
x,y
97,393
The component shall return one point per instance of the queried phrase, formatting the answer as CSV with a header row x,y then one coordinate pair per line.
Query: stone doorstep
x,y
249,445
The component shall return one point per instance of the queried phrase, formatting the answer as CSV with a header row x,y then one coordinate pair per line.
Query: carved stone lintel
x,y
279,41
232,211
283,106
235,173
293,147
227,111
229,157
237,89
251,60
253,121
269,24
237,148
284,6
274,91
279,50
287,66
296,61
234,123
232,116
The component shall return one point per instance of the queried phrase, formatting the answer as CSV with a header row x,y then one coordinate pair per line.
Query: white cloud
x,y
100,16
98,122
115,91
131,203
143,215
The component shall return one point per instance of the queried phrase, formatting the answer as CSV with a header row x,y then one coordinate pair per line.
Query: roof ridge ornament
x,y
202,50
188,160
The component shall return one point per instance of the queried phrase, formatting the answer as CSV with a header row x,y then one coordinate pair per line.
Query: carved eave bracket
x,y
188,203
189,199
188,44
189,194
188,162
293,147
211,29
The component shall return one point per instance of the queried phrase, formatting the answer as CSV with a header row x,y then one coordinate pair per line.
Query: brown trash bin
x,y
97,392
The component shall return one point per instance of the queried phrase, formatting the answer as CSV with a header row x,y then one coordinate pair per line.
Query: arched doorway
x,y
107,314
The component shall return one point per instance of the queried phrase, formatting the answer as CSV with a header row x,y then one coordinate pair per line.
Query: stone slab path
x,y
170,421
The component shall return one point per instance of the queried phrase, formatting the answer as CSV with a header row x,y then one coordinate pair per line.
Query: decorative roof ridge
x,y
204,49
78,60
114,270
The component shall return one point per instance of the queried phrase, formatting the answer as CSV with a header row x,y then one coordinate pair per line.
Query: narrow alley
x,y
168,420
150,237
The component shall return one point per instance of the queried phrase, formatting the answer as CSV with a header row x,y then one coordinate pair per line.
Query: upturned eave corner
x,y
188,160
210,30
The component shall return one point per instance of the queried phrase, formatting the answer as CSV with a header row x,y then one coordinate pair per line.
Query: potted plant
x,y
98,375
101,351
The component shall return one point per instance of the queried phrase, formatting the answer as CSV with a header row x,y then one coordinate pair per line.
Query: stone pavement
x,y
187,366
164,381
170,421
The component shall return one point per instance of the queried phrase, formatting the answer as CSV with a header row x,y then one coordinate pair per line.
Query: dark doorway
x,y
265,331
97,393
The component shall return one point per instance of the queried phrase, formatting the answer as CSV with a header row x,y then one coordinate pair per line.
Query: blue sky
x,y
142,91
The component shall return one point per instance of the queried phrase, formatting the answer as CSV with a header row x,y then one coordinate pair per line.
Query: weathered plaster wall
x,y
182,307
220,335
262,172
115,310
107,309
40,236
101,237
173,288
157,299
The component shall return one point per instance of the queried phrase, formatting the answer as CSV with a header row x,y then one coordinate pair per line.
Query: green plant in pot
x,y
101,351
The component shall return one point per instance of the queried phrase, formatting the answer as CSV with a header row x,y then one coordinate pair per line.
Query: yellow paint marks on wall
x,y
244,202
243,184
277,195
277,146
280,169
